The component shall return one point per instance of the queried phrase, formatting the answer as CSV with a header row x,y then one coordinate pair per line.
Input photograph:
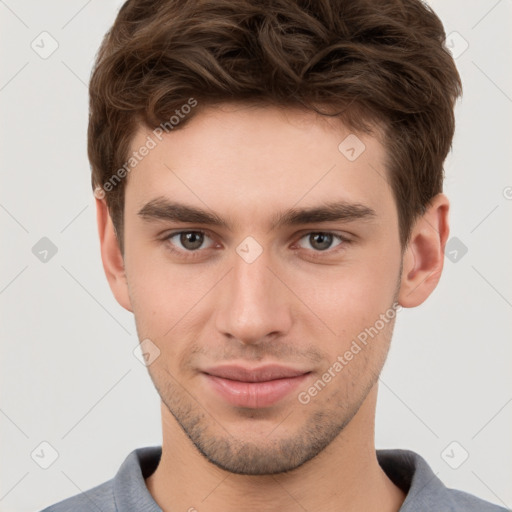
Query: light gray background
x,y
69,375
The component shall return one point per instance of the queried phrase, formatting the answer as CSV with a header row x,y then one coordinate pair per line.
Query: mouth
x,y
254,387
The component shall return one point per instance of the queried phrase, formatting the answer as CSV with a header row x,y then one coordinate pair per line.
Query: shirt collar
x,y
413,475
405,468
130,491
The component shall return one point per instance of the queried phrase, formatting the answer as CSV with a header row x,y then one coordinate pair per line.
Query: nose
x,y
253,303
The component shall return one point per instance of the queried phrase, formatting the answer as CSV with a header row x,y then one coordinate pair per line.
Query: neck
x,y
345,476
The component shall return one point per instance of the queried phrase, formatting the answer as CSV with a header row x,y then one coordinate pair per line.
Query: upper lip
x,y
260,374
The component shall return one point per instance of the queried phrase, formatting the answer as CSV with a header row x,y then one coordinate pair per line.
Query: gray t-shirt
x,y
127,491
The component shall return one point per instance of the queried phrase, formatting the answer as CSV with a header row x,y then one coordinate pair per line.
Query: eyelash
x,y
197,253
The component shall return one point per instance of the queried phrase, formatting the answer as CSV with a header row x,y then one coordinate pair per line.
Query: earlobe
x,y
113,263
424,256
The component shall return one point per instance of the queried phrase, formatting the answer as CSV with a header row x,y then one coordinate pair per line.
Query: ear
x,y
424,255
113,263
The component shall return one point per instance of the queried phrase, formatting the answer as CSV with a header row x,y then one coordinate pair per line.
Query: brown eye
x,y
191,240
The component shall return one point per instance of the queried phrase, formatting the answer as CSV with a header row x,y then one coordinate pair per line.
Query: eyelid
x,y
343,239
167,237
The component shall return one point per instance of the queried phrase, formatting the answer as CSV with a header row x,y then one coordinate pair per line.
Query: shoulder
x,y
100,497
463,501
425,491
126,491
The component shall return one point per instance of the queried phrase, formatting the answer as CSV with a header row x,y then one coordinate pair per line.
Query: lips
x,y
254,387
262,374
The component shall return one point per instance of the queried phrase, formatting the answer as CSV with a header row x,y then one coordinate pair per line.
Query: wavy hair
x,y
368,62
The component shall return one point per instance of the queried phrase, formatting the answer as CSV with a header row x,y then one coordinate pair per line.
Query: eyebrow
x,y
161,208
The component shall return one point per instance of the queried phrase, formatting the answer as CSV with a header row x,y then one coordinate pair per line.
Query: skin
x,y
295,305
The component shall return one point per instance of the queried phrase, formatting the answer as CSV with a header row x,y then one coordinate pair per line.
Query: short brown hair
x,y
369,62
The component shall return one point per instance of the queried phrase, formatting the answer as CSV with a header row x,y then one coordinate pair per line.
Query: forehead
x,y
250,159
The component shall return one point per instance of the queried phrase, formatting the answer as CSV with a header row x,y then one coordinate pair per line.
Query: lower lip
x,y
255,395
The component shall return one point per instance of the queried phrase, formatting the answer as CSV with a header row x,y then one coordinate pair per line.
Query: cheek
x,y
167,298
349,299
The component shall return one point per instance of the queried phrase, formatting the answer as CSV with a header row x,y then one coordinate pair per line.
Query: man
x,y
268,180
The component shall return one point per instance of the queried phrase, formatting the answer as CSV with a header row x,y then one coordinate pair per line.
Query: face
x,y
255,300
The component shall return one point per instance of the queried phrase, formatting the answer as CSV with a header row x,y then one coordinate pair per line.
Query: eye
x,y
321,241
190,241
